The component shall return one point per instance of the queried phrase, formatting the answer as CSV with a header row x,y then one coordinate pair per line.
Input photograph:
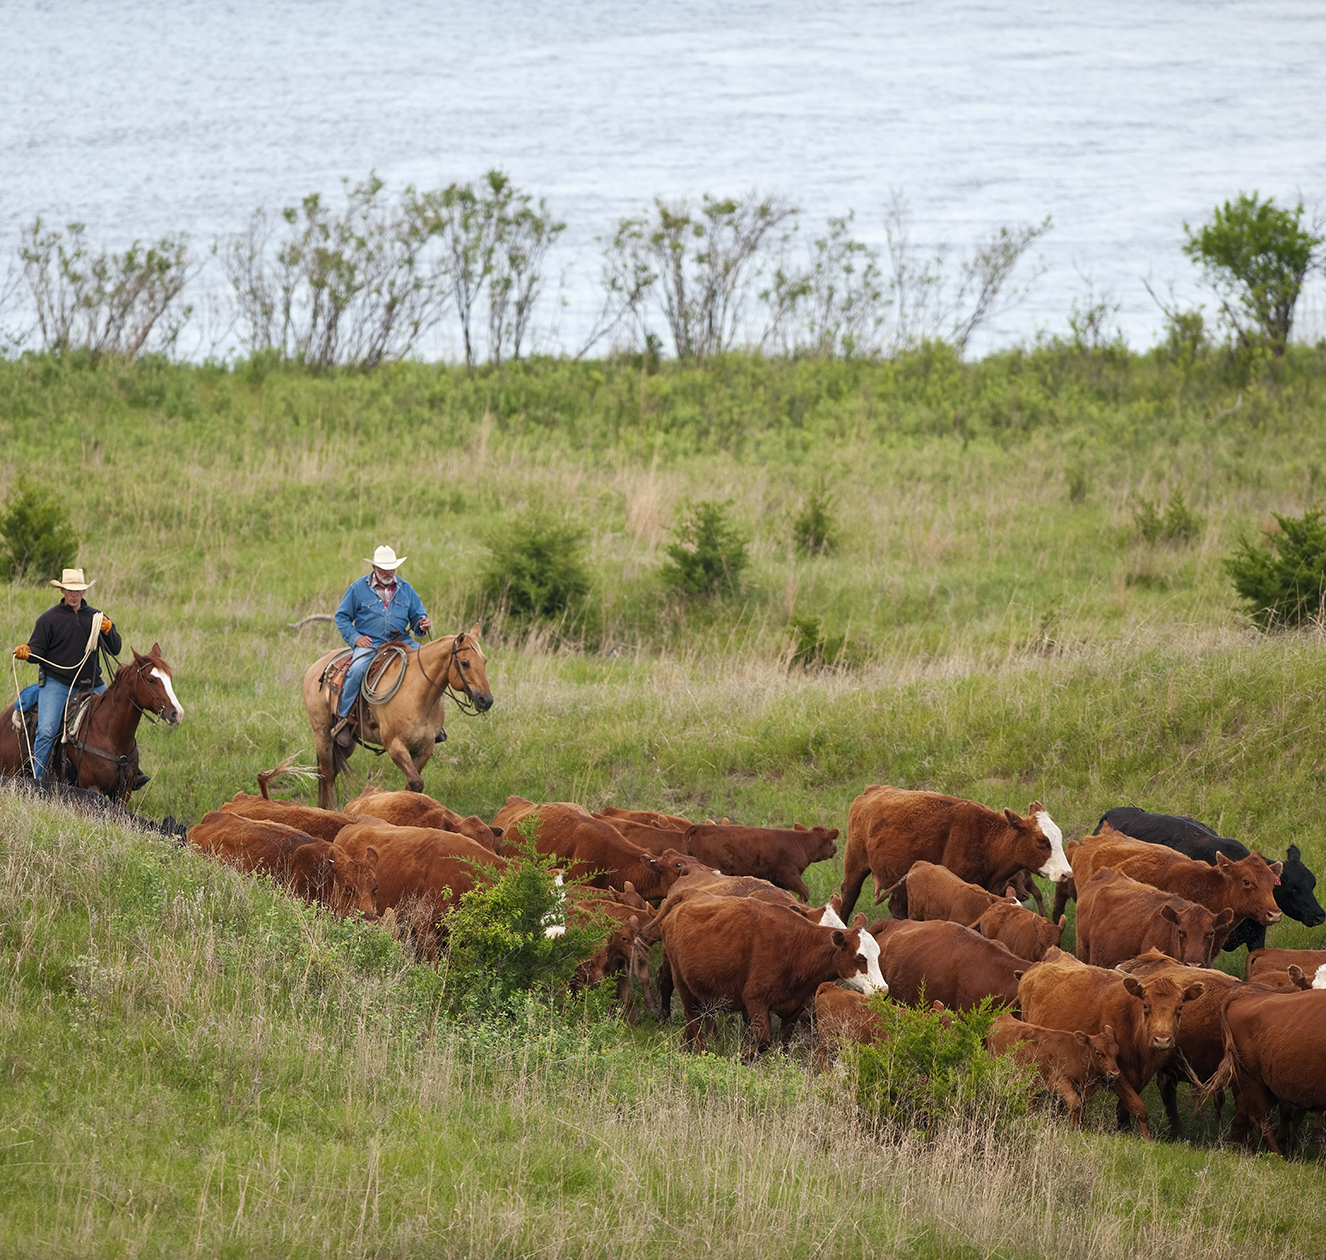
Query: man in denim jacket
x,y
375,610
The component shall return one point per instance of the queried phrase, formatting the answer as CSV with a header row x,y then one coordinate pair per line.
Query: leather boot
x,y
343,732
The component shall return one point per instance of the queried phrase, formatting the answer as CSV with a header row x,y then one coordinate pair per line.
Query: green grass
x,y
191,1064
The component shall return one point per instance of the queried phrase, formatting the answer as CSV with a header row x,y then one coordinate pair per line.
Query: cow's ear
x,y
1013,819
1194,991
859,921
1017,975
1276,868
1035,808
1225,917
498,832
1063,922
1081,1038
371,856
1130,983
1222,861
798,827
1293,855
838,938
634,921
1296,973
1168,913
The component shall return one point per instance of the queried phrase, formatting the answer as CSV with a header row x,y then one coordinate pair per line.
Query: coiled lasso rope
x,y
380,695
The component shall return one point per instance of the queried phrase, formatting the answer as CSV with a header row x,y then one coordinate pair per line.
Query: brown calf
x,y
1280,959
947,962
1072,1065
890,828
1024,932
414,809
778,854
929,891
321,824
1119,918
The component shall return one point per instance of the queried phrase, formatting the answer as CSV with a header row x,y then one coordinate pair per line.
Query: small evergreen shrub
x,y
1284,582
934,1067
709,554
1177,524
39,538
813,647
497,950
537,567
814,531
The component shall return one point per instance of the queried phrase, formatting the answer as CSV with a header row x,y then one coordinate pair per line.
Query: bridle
x,y
466,703
123,761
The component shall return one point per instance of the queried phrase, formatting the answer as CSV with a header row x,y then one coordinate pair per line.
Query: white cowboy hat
x,y
72,580
383,558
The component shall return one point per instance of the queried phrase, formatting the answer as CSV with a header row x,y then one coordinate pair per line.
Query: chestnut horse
x,y
410,724
105,753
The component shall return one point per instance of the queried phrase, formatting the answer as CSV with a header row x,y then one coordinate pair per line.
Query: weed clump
x,y
933,1068
537,567
1284,583
813,647
39,538
497,948
814,531
1177,524
709,554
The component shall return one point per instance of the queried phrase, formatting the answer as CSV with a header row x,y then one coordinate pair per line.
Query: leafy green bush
x,y
814,531
934,1067
1284,583
709,555
1178,523
497,950
537,567
813,647
39,538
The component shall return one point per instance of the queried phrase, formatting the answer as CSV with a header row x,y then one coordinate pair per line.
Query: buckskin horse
x,y
407,725
103,755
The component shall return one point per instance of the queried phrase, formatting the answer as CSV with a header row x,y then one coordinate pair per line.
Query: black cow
x,y
1293,894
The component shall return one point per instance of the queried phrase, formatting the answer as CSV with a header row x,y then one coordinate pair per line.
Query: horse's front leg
x,y
410,766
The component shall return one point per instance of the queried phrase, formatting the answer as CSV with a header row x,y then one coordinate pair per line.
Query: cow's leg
x,y
1131,1106
1034,892
693,1037
757,1014
1167,1081
797,885
1074,1101
665,987
855,870
1064,891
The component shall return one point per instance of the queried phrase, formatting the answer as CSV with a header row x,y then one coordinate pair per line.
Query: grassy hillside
x,y
195,1064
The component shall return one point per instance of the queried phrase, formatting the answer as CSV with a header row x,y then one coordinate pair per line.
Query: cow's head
x,y
1102,1053
820,845
1162,1000
1250,886
1294,894
1192,931
1039,843
354,883
858,958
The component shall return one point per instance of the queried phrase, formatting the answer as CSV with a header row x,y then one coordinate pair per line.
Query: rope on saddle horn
x,y
371,692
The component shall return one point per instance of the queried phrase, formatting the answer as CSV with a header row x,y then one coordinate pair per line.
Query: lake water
x,y
1121,120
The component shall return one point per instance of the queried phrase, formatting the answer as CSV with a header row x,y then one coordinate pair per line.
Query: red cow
x,y
595,850
1311,960
1144,1014
778,854
890,828
947,962
760,959
414,809
1071,1065
321,824
1119,918
649,817
315,870
421,872
928,891
1024,932
1275,1051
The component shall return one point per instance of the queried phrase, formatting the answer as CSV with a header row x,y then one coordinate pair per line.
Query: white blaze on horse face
x,y
170,691
873,979
1056,866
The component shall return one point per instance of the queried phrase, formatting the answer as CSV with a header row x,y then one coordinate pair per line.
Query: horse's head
x,y
153,690
465,671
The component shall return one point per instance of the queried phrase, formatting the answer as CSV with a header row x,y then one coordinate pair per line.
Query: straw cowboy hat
x,y
72,579
383,558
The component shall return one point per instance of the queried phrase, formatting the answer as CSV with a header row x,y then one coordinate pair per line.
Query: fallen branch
x,y
303,621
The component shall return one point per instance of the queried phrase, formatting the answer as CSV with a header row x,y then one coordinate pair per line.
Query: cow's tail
x,y
1223,1077
896,894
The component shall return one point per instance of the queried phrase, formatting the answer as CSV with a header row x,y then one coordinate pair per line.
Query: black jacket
x,y
61,636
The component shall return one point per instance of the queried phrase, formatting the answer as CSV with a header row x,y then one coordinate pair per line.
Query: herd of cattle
x,y
1157,898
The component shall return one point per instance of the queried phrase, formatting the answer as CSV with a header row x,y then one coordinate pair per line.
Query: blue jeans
x,y
51,698
354,678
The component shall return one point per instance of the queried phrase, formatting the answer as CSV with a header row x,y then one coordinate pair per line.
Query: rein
x,y
464,703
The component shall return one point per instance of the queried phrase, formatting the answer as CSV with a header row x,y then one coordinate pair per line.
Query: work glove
x,y
105,625
22,651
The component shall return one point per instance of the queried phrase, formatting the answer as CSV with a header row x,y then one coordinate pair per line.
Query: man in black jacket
x,y
64,644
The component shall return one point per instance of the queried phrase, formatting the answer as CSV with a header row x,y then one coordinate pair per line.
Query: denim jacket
x,y
362,612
